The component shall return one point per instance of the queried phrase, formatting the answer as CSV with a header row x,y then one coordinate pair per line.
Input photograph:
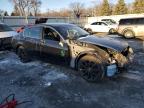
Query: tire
x,y
22,54
128,34
89,30
112,31
91,68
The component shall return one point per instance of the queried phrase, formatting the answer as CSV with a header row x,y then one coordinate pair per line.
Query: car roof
x,y
132,18
52,25
57,24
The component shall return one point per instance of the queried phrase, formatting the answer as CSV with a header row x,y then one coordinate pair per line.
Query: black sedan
x,y
94,57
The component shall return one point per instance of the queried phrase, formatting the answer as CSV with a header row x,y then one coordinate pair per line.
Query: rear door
x,y
103,27
32,39
95,27
53,47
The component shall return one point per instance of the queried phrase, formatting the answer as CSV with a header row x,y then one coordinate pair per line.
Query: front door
x,y
53,47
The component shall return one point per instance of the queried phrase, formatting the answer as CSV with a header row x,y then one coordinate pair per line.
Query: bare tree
x,y
36,5
77,8
25,7
21,5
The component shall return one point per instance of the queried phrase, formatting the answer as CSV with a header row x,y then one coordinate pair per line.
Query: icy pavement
x,y
53,86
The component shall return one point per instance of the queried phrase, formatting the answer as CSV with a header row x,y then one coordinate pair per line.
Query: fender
x,y
82,54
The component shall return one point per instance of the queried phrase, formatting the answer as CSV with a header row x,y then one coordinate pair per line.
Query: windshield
x,y
4,28
71,31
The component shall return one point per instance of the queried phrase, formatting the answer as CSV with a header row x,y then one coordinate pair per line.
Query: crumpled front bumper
x,y
121,63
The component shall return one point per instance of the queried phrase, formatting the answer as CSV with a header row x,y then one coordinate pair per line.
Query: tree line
x,y
121,8
105,8
76,9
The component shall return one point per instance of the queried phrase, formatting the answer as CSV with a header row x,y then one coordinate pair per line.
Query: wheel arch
x,y
91,53
17,46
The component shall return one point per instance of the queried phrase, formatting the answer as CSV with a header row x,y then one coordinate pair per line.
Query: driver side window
x,y
50,34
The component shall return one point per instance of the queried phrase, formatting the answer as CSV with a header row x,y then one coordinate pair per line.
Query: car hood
x,y
7,34
104,42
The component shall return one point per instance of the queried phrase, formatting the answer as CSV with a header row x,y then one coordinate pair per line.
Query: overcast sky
x,y
54,4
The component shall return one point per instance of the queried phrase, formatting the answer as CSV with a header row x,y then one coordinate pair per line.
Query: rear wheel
x,y
91,68
89,30
22,54
129,34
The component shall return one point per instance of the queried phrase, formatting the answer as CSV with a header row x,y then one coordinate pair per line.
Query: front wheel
x,y
91,68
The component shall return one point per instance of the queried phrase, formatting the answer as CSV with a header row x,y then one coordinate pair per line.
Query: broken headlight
x,y
116,57
112,53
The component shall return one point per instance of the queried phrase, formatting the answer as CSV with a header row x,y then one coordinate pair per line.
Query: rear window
x,y
5,28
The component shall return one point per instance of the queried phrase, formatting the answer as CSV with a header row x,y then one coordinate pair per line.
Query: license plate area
x,y
111,70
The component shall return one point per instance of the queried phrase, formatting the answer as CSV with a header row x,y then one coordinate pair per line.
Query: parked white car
x,y
6,34
101,27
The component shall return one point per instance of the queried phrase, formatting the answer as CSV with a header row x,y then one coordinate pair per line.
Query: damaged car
x,y
6,34
93,57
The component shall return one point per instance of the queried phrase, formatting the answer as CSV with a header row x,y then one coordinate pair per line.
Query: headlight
x,y
130,50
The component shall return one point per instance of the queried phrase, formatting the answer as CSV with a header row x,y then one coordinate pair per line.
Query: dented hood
x,y
104,42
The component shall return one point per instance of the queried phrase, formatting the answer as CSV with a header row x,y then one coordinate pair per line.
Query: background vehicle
x,y
6,33
101,27
94,57
109,20
131,27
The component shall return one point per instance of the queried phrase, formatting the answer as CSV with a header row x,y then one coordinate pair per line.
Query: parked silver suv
x,y
131,27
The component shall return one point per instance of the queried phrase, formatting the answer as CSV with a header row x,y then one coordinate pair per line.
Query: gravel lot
x,y
52,86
